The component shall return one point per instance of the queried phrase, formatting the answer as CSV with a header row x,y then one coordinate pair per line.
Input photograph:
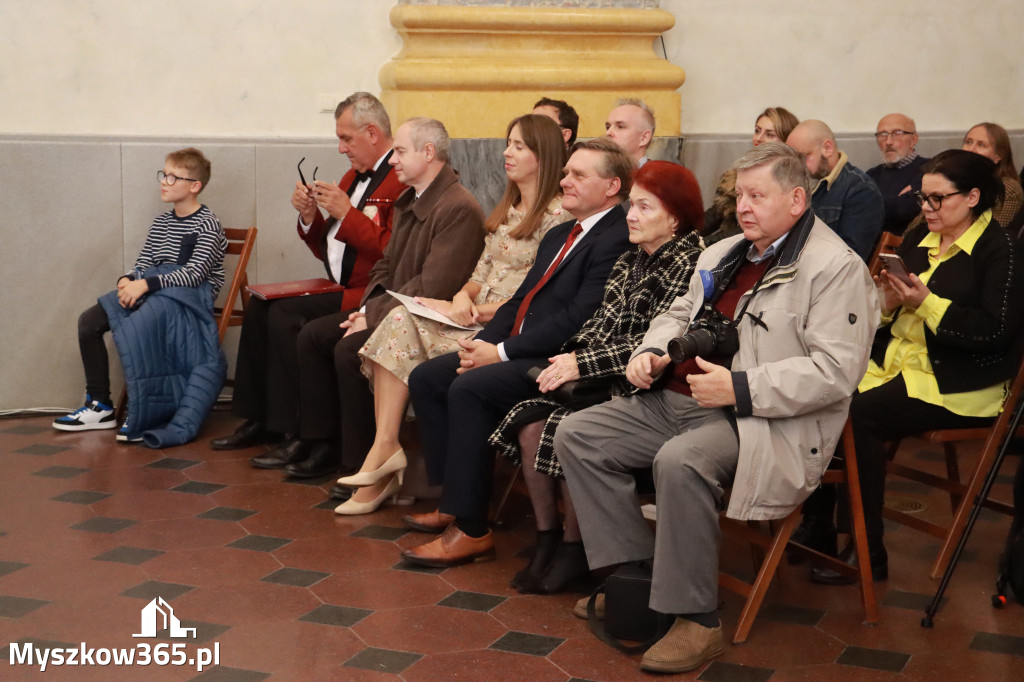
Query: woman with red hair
x,y
665,217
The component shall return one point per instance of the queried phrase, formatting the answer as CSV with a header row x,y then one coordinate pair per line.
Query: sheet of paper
x,y
423,311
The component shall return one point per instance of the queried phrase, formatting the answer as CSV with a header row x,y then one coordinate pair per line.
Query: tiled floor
x,y
90,531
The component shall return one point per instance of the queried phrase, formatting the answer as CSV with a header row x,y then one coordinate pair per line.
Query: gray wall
x,y
74,213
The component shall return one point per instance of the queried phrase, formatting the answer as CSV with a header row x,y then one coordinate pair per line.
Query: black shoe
x,y
876,555
547,543
340,492
251,432
322,461
568,570
814,532
290,451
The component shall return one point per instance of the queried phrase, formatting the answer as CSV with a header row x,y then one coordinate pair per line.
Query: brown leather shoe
x,y
431,522
451,548
686,646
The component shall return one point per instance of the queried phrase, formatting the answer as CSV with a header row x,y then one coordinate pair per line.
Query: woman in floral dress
x,y
530,207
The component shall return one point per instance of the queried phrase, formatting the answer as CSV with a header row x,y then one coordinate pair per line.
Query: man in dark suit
x,y
348,241
459,398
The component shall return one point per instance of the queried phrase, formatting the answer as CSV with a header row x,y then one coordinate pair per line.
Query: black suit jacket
x,y
569,297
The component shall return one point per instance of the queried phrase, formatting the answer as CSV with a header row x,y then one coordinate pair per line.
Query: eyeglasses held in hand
x,y
933,200
895,134
303,177
171,178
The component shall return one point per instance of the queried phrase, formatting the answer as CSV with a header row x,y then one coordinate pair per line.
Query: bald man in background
x,y
631,126
845,198
899,174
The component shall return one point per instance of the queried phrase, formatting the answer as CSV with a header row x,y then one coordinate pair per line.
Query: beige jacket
x,y
793,376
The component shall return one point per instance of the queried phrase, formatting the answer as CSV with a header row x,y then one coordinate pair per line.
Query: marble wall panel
x,y
282,256
62,248
75,213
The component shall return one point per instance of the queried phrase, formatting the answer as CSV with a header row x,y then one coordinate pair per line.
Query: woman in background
x,y
991,141
774,124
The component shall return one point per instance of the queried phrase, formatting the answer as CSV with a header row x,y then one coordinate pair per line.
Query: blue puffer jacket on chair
x,y
173,363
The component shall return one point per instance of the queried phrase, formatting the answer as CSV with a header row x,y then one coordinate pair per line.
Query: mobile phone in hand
x,y
895,266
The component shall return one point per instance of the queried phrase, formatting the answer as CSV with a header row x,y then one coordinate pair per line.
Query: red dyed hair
x,y
678,191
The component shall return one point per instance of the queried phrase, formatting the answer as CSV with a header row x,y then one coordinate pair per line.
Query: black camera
x,y
711,334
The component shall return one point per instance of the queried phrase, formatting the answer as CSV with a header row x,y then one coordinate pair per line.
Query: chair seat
x,y
775,544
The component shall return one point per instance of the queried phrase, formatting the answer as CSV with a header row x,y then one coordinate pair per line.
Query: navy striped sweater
x,y
195,242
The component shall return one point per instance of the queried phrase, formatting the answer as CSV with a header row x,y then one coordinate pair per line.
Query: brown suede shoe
x,y
580,610
685,647
431,522
451,548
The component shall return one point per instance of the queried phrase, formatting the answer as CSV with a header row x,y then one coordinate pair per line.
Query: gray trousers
x,y
693,451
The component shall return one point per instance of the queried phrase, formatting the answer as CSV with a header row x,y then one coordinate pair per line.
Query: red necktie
x,y
521,313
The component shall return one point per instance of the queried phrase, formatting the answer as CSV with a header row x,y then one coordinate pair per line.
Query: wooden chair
x,y
241,243
887,243
774,548
961,496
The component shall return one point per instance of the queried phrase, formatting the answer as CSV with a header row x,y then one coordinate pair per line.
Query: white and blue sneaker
x,y
93,415
122,433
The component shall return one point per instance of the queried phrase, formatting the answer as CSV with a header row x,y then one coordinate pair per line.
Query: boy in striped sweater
x,y
188,235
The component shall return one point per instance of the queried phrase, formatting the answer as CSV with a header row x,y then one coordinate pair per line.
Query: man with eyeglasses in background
x,y
845,198
899,174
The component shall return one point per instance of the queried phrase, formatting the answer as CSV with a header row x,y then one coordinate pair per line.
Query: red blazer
x,y
365,238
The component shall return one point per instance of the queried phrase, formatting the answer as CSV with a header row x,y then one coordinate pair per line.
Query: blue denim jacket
x,y
852,206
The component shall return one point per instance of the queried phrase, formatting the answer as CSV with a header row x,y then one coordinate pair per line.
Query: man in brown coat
x,y
436,238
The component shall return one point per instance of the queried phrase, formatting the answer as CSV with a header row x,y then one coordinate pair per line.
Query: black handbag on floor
x,y
627,615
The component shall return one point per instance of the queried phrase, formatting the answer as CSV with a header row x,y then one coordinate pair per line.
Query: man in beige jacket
x,y
761,417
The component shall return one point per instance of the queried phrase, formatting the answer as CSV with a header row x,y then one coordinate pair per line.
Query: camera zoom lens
x,y
697,342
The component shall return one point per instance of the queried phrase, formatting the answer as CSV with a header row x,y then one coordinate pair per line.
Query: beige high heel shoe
x,y
395,463
352,508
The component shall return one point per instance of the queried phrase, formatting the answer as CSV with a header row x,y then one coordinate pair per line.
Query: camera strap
x,y
731,272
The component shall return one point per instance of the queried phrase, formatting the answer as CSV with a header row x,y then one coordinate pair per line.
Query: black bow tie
x,y
363,176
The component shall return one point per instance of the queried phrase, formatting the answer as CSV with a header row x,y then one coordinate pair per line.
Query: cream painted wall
x,y
257,67
93,93
949,64
186,67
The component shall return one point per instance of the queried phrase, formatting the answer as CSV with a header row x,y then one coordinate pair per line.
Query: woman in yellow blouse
x,y
943,353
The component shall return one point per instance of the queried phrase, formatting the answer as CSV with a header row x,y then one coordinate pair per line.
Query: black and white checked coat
x,y
639,288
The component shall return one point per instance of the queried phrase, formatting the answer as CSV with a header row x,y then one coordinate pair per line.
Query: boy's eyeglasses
x,y
171,178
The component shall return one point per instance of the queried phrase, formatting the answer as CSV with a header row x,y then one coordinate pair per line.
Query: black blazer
x,y
569,298
975,343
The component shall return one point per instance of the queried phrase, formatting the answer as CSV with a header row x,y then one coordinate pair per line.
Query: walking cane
x,y
979,501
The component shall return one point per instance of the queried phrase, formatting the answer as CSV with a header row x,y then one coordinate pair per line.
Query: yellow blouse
x,y
907,354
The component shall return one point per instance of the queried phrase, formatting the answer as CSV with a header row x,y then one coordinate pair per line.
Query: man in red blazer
x,y
349,239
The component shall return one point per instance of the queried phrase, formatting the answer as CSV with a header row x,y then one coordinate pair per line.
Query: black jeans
x,y
886,413
92,325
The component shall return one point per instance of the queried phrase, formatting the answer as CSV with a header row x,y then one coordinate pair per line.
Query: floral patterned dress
x,y
403,340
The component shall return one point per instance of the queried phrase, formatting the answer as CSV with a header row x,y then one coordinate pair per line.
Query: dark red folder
x,y
299,287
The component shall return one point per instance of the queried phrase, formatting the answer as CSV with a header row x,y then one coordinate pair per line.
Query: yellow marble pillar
x,y
476,68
